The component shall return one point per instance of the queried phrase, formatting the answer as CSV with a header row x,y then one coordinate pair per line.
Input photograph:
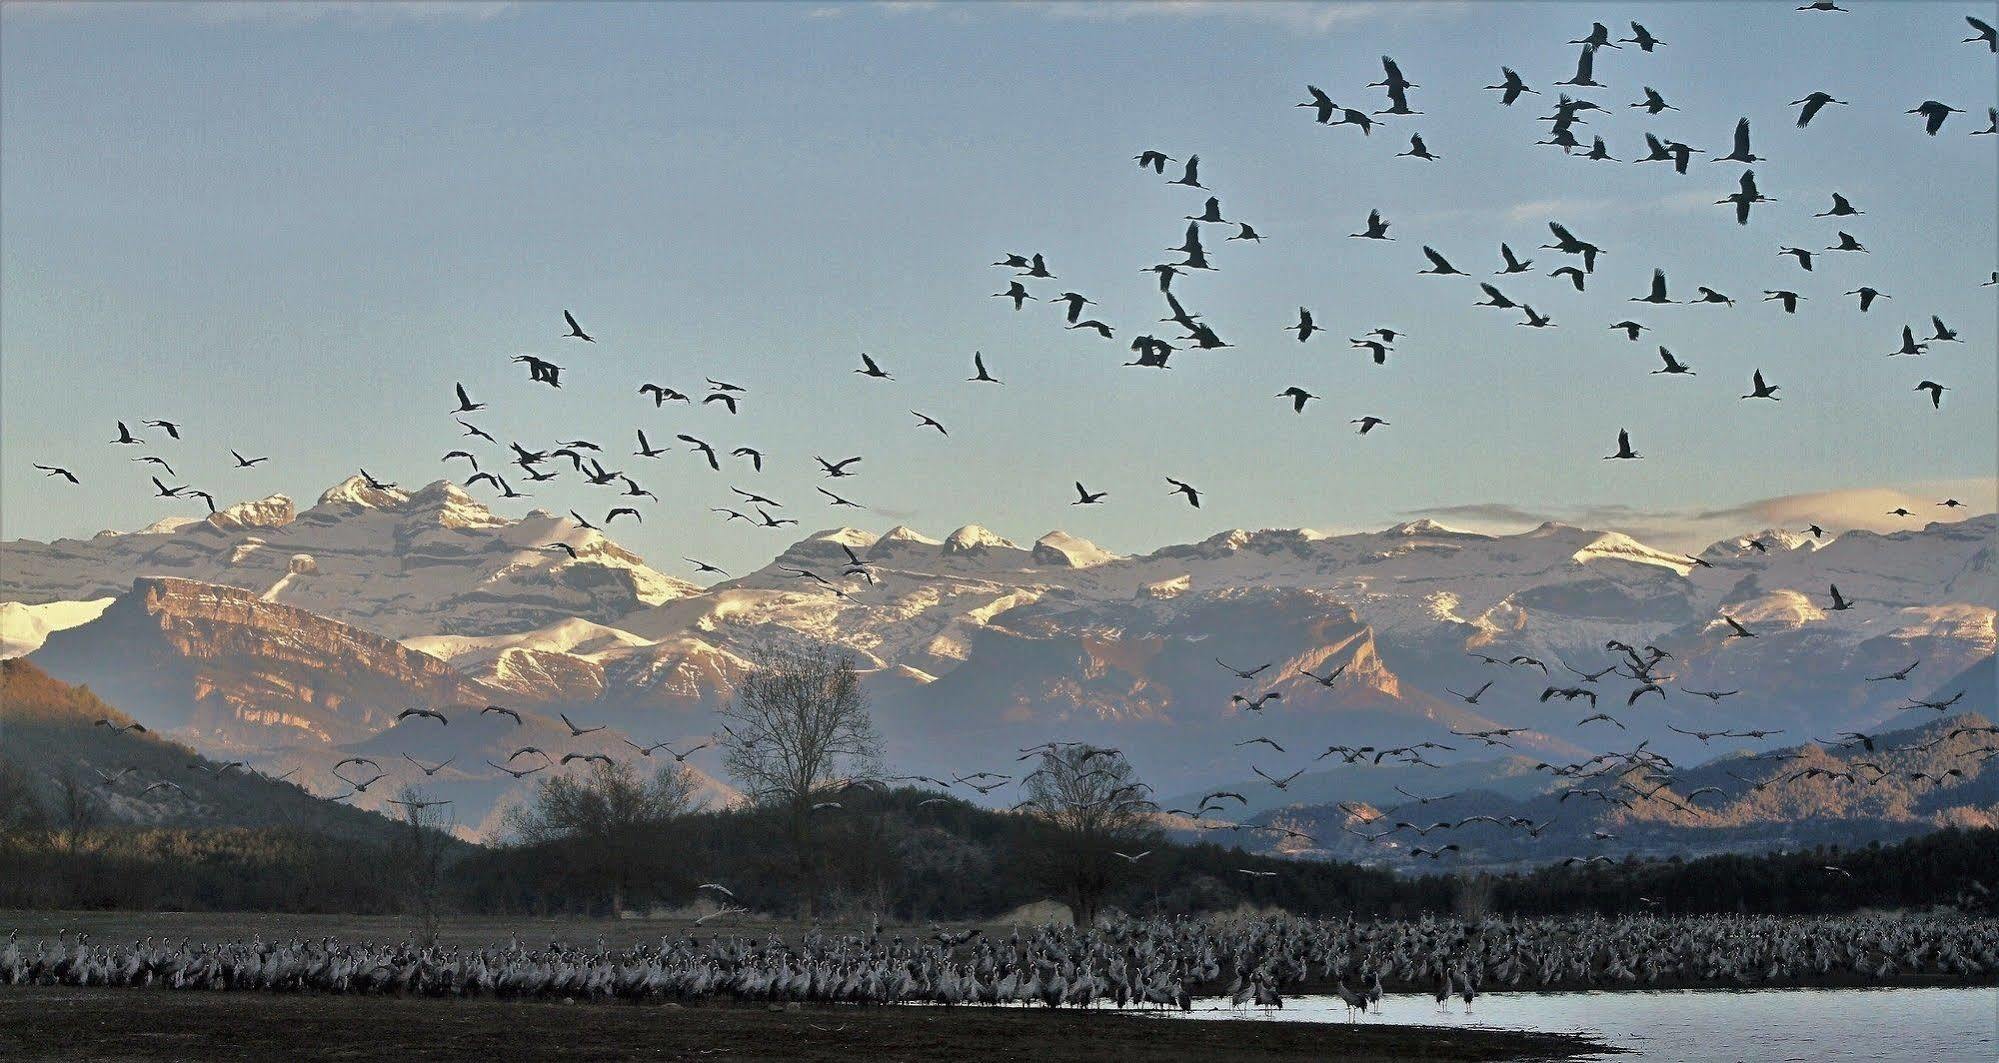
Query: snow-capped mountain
x,y
975,644
394,562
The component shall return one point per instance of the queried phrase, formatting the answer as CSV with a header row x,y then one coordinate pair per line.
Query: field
x,y
104,1025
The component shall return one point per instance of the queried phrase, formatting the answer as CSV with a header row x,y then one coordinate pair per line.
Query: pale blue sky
x,y
293,228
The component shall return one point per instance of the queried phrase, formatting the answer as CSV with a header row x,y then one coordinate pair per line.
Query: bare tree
x,y
419,853
1087,806
797,728
76,815
610,822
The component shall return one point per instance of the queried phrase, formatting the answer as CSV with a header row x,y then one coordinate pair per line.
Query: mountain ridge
x,y
973,639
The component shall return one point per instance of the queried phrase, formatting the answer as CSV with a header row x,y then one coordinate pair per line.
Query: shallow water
x,y
1758,1026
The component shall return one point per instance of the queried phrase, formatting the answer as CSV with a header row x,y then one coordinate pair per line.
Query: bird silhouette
x,y
1789,300
1510,86
1657,294
1933,114
1439,266
1811,105
1624,444
1985,35
1377,228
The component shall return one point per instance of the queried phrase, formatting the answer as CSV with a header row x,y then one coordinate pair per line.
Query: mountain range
x,y
1935,773
290,637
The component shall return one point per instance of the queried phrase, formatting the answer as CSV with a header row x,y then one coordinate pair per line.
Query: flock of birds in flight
x,y
1626,778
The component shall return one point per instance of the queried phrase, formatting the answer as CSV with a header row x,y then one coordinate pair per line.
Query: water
x,y
1757,1026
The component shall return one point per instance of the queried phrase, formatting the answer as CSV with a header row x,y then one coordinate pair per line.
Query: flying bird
x,y
1762,390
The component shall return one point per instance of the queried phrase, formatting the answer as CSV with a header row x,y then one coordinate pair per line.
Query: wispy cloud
x,y
1692,529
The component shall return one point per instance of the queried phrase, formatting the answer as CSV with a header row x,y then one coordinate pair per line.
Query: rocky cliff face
x,y
241,678
231,670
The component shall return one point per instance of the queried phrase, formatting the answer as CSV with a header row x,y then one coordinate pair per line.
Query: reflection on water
x,y
1761,1026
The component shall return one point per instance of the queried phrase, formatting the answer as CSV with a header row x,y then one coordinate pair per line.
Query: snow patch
x,y
1060,549
23,628
972,539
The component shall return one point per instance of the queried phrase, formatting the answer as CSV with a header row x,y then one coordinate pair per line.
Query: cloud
x,y
1694,529
1495,512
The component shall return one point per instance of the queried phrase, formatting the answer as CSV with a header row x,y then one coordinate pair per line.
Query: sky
x,y
292,228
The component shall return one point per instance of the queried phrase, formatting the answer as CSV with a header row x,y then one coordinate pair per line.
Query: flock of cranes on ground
x,y
1122,962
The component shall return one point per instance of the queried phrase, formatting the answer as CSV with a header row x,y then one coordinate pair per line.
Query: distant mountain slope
x,y
397,563
232,671
1779,799
48,729
282,688
975,636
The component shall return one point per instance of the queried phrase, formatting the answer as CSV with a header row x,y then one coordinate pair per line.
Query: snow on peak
x,y
275,511
1770,540
1425,526
1060,549
354,491
903,533
1616,546
854,537
23,628
972,539
451,507
900,535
